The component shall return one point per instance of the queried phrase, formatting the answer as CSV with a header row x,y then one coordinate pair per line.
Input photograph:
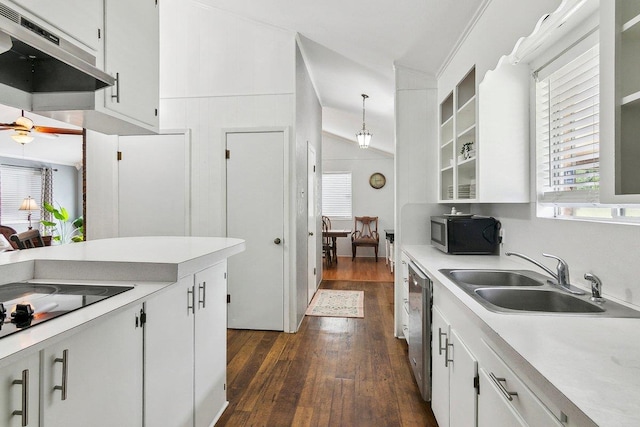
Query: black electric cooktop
x,y
24,305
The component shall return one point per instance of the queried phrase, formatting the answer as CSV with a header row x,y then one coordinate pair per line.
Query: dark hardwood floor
x,y
332,372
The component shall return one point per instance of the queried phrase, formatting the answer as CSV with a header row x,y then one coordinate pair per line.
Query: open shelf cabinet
x,y
458,118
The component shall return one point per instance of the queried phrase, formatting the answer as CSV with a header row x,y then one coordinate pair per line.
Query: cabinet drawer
x,y
519,397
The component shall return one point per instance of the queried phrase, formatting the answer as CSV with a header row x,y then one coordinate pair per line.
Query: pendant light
x,y
364,136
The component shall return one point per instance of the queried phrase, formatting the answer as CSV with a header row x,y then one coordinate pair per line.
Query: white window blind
x,y
336,195
567,132
16,183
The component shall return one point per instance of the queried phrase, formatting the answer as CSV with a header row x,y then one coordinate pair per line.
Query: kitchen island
x,y
100,365
584,371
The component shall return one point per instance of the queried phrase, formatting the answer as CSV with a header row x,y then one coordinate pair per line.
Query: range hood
x,y
34,60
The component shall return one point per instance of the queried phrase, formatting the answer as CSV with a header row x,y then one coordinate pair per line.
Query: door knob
x,y
277,241
311,233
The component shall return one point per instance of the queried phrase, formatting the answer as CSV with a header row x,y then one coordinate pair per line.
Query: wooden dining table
x,y
334,234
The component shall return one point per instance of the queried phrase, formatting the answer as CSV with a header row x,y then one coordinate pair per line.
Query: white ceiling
x,y
351,47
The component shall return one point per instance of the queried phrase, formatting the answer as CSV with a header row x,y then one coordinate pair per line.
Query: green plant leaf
x,y
48,223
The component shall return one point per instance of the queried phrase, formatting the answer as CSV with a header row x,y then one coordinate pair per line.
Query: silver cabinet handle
x,y
24,411
447,344
502,387
65,373
191,302
202,294
440,335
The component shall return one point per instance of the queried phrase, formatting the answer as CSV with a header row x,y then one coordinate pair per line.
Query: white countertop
x,y
106,261
593,361
152,249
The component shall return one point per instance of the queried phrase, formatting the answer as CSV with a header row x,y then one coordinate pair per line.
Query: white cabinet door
x,y
462,393
13,399
153,168
100,373
132,55
440,369
79,19
210,344
493,408
169,356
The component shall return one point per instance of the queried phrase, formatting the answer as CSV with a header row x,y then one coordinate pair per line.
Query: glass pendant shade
x,y
364,136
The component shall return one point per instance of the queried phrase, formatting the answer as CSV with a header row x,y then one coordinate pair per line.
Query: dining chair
x,y
327,243
28,239
365,234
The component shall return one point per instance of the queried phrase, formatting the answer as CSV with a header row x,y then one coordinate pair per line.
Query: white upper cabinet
x,y
458,136
503,122
131,49
484,138
80,19
619,101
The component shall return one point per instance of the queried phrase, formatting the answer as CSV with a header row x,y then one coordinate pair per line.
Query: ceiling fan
x,y
23,126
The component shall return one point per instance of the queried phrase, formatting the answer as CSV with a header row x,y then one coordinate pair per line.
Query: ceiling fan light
x,y
25,122
22,138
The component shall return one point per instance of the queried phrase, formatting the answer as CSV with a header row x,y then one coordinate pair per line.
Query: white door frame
x,y
289,228
312,229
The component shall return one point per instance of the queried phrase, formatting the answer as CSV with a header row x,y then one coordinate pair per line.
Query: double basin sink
x,y
524,291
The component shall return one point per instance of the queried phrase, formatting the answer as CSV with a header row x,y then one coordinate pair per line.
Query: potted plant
x,y
467,150
65,230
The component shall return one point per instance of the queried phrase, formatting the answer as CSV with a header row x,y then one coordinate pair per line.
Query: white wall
x,y
607,250
340,155
219,71
308,132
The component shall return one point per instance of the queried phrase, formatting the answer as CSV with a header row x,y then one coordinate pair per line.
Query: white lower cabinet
x,y
95,377
501,390
472,385
454,376
493,405
19,389
185,351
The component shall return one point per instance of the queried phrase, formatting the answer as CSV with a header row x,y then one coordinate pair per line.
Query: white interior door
x,y
311,222
255,213
153,181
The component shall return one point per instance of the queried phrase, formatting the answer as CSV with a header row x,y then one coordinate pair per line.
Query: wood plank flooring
x,y
332,372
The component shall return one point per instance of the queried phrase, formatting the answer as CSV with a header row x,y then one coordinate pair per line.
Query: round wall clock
x,y
377,180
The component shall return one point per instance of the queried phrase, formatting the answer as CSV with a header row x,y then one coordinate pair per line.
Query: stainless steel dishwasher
x,y
420,288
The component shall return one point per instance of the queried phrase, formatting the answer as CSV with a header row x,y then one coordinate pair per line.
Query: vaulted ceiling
x,y
351,47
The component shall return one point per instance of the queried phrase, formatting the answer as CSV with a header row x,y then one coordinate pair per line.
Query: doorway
x,y
255,175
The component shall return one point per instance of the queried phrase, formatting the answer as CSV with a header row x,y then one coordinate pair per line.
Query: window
x,y
568,141
567,132
16,183
336,195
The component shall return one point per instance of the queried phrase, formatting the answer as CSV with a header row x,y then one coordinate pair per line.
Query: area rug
x,y
334,303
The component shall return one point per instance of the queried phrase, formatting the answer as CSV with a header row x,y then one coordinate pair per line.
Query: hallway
x,y
334,371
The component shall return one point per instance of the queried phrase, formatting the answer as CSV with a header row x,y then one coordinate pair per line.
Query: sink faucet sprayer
x,y
561,276
596,287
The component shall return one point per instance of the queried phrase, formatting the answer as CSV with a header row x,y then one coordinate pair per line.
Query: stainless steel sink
x,y
537,300
496,277
529,292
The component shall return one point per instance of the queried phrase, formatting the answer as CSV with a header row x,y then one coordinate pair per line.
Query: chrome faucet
x,y
562,272
596,287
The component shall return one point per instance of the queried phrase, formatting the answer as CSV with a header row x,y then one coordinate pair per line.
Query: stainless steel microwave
x,y
466,235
